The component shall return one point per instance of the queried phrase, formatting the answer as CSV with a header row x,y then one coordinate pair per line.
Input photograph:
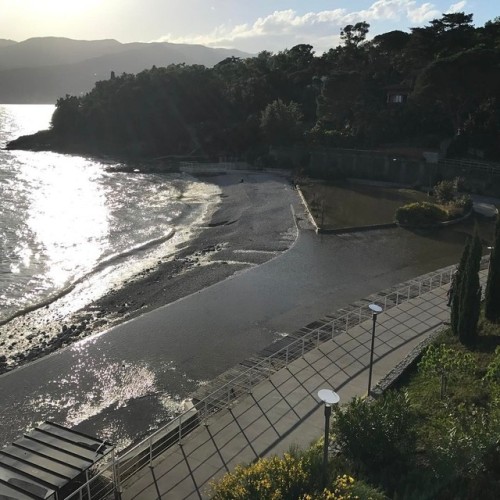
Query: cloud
x,y
457,7
286,28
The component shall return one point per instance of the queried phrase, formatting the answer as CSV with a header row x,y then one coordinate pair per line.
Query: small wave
x,y
111,260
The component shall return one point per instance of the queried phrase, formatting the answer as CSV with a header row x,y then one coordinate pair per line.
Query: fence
x,y
116,473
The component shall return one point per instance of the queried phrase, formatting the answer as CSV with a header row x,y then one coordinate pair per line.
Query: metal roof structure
x,y
46,461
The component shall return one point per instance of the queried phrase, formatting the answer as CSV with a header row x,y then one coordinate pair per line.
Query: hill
x,y
40,70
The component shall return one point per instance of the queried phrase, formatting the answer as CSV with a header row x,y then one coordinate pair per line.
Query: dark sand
x,y
252,224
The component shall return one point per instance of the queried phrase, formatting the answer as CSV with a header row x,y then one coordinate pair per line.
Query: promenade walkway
x,y
285,410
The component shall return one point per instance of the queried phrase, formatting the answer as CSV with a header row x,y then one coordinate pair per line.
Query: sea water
x,y
72,228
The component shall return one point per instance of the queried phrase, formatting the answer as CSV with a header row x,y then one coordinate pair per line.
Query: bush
x,y
267,479
378,438
445,191
446,363
420,214
464,202
346,488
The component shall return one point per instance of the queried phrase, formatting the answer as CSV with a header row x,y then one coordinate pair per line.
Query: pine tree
x,y
492,296
470,294
456,286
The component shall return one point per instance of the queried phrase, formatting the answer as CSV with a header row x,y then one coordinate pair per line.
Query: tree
x,y
456,286
492,297
459,83
469,294
281,123
354,35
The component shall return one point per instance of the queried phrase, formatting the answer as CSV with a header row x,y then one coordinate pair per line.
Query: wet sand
x,y
252,224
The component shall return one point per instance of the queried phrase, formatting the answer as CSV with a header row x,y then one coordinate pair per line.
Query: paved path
x,y
285,410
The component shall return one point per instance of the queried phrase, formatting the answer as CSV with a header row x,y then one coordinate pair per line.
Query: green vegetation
x,y
420,214
467,292
296,475
416,88
492,297
450,204
420,441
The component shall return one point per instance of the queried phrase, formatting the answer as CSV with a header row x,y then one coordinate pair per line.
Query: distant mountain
x,y
5,43
40,70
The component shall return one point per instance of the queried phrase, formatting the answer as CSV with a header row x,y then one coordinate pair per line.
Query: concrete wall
x,y
330,163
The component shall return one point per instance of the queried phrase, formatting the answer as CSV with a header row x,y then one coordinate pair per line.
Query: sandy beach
x,y
252,224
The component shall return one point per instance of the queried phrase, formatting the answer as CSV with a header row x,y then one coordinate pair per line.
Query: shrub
x,y
464,202
379,437
446,363
420,214
493,368
267,479
445,191
346,488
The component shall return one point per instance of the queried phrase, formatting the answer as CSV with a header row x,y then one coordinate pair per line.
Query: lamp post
x,y
375,309
489,261
329,398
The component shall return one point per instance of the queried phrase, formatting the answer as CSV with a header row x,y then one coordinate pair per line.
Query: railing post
x,y
88,485
419,288
116,472
385,302
409,287
302,347
397,297
317,337
180,428
150,444
346,322
286,356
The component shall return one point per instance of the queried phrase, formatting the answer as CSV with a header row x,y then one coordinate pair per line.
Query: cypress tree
x,y
492,296
457,286
470,294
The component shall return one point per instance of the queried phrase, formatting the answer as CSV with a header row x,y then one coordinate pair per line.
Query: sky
x,y
248,25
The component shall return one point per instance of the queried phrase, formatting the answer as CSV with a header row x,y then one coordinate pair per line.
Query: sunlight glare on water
x,y
68,215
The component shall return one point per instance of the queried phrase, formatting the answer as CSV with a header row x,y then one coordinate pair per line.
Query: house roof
x,y
44,461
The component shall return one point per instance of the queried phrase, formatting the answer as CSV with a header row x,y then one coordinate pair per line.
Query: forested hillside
x,y
437,82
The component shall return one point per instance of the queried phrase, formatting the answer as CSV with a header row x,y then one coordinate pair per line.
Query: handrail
x,y
142,454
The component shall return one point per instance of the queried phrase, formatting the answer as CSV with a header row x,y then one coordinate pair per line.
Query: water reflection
x,y
67,215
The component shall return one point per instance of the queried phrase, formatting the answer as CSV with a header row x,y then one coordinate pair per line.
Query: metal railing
x,y
122,469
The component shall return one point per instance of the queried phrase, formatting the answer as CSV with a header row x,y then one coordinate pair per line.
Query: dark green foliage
x,y
377,437
281,123
492,296
445,191
455,287
420,214
468,295
449,72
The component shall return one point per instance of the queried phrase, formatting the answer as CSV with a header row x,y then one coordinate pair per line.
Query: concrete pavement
x,y
284,410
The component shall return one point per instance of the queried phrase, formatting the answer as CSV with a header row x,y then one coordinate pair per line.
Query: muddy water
x,y
351,204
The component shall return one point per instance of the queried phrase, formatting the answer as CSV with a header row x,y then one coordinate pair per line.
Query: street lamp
x,y
329,398
489,261
375,309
